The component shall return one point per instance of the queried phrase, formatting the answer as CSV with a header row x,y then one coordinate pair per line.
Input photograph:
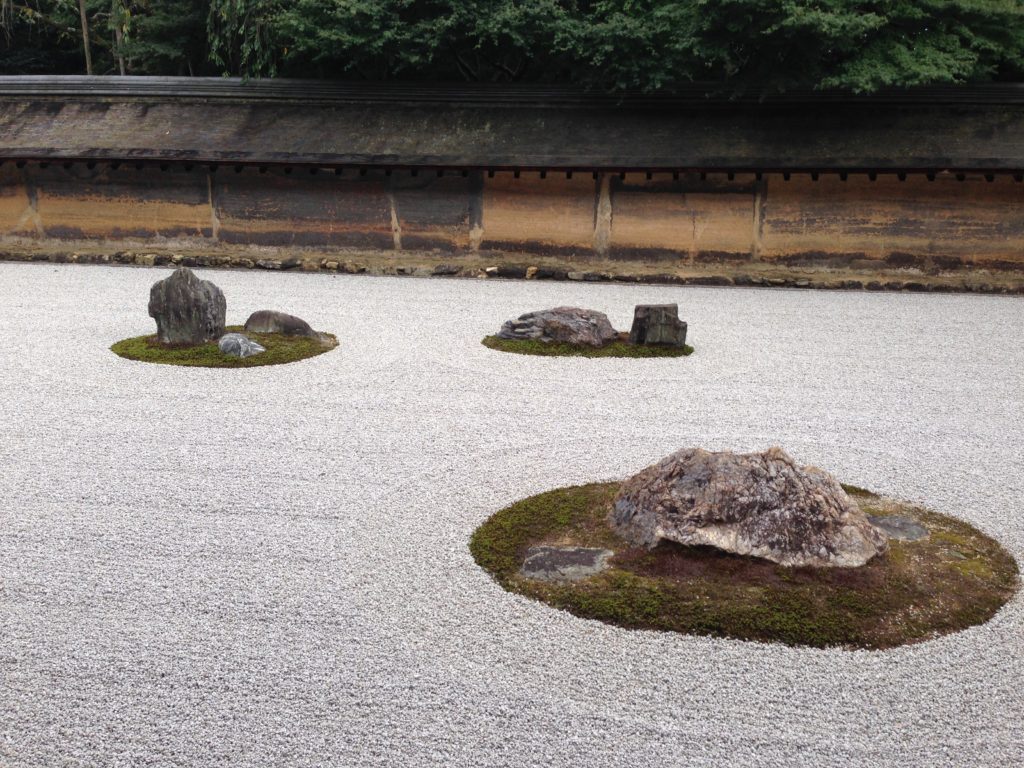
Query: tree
x,y
240,36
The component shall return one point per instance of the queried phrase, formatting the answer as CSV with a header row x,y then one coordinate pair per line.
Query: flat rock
x,y
271,321
568,325
187,310
899,527
239,345
657,324
757,504
564,563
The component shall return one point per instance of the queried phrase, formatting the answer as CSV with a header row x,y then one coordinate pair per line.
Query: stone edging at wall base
x,y
480,267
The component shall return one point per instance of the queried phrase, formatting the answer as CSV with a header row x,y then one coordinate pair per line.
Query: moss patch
x,y
280,349
956,578
619,348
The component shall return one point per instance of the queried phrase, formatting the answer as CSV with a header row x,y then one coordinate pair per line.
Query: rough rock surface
x,y
187,310
564,563
239,345
759,504
657,324
569,325
270,321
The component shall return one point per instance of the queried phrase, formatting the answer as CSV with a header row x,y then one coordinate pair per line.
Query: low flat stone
x,y
564,563
899,527
569,325
271,321
239,345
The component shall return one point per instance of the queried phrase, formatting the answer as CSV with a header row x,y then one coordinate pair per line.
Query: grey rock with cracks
x,y
239,345
567,325
657,324
757,504
187,310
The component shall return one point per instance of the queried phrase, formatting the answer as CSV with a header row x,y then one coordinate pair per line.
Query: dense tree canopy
x,y
648,45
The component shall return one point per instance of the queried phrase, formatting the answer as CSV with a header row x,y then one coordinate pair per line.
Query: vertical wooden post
x,y
603,216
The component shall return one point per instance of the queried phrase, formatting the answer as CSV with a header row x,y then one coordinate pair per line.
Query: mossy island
x,y
923,575
191,331
576,332
279,348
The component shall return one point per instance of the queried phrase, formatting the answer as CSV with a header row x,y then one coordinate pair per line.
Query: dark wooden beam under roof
x,y
327,124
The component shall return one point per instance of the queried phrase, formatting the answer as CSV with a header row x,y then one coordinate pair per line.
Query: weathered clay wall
x,y
686,221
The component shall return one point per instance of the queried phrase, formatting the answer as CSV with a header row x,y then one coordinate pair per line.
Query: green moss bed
x,y
955,578
280,349
619,348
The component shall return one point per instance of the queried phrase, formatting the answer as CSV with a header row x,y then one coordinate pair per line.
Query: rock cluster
x,y
568,325
187,310
239,345
758,504
270,321
657,324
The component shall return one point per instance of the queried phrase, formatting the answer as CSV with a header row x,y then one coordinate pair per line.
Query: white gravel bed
x,y
269,567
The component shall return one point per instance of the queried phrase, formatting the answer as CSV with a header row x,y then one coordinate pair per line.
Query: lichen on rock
x,y
757,504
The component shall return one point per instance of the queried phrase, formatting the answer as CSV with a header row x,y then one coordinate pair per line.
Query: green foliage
x,y
555,349
646,45
280,349
163,36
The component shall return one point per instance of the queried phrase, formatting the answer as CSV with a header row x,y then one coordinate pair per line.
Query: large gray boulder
x,y
187,310
271,321
758,504
569,325
657,324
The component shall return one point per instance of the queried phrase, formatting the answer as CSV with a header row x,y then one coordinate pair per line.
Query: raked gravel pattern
x,y
269,567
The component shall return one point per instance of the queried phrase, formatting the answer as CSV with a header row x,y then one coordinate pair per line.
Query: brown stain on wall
x,y
529,211
685,221
974,219
687,216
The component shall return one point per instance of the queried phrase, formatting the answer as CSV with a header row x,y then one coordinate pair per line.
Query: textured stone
x,y
657,324
569,325
899,527
187,310
564,563
758,504
269,321
239,345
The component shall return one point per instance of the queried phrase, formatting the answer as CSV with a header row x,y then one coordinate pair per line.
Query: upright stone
x,y
187,310
657,324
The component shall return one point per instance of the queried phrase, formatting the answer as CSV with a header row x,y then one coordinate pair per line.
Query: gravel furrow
x,y
269,566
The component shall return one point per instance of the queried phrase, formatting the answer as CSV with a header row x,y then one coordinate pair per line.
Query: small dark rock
x,y
657,324
269,321
442,270
899,527
239,346
564,563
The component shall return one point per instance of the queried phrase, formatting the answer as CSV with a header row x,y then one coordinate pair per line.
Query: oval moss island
x,y
280,349
953,578
621,347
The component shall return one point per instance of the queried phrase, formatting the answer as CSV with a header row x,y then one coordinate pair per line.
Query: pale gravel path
x,y
268,567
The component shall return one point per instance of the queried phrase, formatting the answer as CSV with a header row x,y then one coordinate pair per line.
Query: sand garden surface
x,y
271,567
